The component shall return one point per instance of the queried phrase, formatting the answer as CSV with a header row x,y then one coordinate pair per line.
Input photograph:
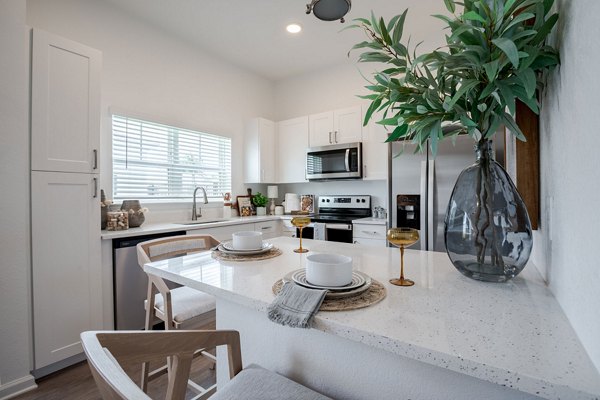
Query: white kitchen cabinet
x,y
65,105
66,265
222,233
320,129
287,229
65,203
347,125
292,141
369,233
259,148
375,150
335,127
369,242
269,229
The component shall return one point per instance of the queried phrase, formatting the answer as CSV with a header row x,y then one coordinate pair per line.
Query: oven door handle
x,y
347,160
339,227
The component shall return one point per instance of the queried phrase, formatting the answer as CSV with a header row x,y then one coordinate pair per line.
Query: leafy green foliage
x,y
494,53
259,199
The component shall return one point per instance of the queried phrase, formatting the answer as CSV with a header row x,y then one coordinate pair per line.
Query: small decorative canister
x,y
117,220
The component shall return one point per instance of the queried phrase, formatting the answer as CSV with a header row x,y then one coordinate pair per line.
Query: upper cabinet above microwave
x,y
335,127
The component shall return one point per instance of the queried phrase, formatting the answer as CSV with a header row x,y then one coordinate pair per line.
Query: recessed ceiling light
x,y
293,28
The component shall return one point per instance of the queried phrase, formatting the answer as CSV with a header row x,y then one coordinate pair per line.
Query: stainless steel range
x,y
333,220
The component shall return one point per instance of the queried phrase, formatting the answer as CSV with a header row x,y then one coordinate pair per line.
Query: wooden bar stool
x,y
180,307
108,352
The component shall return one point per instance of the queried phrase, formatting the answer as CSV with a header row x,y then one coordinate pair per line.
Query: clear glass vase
x,y
487,229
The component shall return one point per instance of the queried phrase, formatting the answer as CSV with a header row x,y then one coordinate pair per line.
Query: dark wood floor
x,y
76,382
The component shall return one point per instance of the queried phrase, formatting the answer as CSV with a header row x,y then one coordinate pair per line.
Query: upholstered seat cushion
x,y
187,303
255,382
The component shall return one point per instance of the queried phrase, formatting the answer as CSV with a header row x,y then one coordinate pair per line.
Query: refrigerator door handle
x,y
424,193
431,217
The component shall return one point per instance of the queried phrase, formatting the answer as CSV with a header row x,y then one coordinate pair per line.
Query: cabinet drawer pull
x,y
335,136
370,232
95,159
329,137
265,227
95,187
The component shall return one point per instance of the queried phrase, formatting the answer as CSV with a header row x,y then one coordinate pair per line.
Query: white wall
x,y
570,188
15,341
323,90
147,72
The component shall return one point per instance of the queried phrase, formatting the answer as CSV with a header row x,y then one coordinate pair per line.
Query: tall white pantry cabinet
x,y
65,201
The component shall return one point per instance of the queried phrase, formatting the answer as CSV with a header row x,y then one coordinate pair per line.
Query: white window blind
x,y
155,161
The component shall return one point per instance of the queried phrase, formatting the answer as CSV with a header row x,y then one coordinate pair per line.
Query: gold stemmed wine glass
x,y
300,223
402,237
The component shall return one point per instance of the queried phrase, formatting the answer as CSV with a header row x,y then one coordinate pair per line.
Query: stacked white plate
x,y
360,283
227,248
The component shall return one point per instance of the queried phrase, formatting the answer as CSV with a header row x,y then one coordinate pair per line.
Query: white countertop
x,y
370,221
513,334
149,229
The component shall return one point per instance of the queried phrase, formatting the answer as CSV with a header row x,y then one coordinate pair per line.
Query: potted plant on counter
x,y
260,201
495,55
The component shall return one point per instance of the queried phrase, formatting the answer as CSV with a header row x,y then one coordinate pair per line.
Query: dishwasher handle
x,y
339,227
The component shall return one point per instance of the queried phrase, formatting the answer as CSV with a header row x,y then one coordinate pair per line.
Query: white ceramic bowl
x,y
247,240
328,269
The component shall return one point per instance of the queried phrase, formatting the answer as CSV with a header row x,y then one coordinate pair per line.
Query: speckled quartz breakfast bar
x,y
513,334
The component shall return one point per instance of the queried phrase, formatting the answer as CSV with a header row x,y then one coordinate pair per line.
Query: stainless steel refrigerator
x,y
420,186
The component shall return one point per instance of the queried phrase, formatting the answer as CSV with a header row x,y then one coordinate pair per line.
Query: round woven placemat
x,y
219,255
373,295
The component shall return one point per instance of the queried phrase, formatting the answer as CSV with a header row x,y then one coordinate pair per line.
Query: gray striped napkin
x,y
295,305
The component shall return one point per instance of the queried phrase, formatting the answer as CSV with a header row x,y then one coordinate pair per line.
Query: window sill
x,y
176,202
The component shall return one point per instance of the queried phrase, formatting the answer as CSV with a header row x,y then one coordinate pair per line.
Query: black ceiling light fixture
x,y
329,10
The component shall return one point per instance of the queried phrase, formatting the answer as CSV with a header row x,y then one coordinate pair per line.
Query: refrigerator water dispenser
x,y
408,213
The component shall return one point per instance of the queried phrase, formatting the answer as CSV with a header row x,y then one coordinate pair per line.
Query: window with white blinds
x,y
155,161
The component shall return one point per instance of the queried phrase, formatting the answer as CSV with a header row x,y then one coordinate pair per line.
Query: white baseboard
x,y
57,366
16,387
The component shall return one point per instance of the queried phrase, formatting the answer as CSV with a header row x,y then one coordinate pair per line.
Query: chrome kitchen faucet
x,y
195,215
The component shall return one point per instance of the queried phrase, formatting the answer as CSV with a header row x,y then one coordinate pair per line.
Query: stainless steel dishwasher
x,y
130,282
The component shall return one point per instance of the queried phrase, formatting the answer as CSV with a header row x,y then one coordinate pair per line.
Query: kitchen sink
x,y
200,221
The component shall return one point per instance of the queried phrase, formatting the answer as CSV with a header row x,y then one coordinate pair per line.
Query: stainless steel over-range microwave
x,y
336,161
